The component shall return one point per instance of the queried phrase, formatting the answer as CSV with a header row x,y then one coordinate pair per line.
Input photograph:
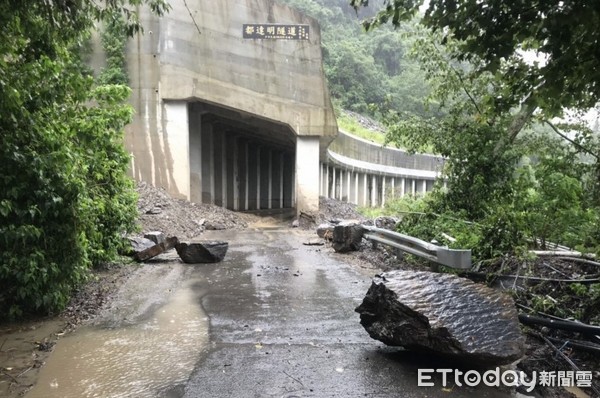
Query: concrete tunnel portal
x,y
228,117
223,117
240,161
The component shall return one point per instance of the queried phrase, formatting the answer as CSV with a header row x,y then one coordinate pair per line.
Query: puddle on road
x,y
143,360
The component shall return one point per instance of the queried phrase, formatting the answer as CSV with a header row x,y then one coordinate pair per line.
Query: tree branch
x,y
461,80
520,120
578,145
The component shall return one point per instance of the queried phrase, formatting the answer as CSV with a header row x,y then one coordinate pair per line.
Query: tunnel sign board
x,y
276,31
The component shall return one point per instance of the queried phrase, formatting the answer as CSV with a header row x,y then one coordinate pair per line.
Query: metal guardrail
x,y
455,258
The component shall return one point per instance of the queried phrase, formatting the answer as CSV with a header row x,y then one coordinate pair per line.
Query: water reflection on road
x,y
142,360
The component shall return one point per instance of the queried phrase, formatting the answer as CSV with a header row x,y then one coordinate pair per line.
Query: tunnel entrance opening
x,y
240,161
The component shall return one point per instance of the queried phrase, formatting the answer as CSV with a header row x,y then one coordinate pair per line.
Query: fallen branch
x,y
561,253
579,345
561,325
11,377
579,260
479,276
566,359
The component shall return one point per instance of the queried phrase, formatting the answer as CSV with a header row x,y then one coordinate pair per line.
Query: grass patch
x,y
352,126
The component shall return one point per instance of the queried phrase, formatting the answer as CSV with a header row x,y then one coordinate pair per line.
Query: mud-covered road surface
x,y
274,319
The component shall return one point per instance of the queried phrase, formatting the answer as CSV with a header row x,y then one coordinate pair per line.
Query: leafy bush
x,y
65,200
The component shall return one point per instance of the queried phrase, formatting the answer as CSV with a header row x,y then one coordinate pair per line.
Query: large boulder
x,y
139,244
202,252
347,236
443,314
325,231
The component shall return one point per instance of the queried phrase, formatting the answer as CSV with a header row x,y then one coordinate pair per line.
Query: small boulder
x,y
210,226
155,236
202,252
443,314
386,222
347,236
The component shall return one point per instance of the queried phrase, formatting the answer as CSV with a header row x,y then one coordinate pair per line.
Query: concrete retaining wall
x,y
367,174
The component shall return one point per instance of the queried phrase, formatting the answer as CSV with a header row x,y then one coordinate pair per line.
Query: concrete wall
x,y
360,149
368,174
178,62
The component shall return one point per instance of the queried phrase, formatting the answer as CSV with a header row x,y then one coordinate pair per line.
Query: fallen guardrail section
x,y
455,258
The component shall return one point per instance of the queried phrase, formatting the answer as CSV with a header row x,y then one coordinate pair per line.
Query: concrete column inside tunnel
x,y
208,162
231,171
307,174
288,180
220,179
264,181
253,177
276,185
195,120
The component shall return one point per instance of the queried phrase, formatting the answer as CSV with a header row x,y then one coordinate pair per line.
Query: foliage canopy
x,y
64,197
561,37
501,69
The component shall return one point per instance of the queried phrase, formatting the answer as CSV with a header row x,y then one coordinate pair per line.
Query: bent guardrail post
x,y
455,258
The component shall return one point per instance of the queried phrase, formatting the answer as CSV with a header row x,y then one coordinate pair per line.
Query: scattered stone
x,y
314,242
182,218
154,210
443,314
202,252
332,211
155,236
347,236
140,244
386,222
157,249
214,226
306,220
295,224
325,231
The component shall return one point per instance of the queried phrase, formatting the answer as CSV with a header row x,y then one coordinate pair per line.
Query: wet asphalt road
x,y
282,324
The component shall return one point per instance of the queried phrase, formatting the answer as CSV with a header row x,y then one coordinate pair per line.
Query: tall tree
x,y
546,51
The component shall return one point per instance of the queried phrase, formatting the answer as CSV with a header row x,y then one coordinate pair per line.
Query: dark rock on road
x,y
157,249
140,244
444,314
325,231
202,252
155,236
347,236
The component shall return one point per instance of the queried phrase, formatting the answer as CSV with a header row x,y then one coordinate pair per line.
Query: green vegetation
x,y
366,69
351,125
516,176
65,200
